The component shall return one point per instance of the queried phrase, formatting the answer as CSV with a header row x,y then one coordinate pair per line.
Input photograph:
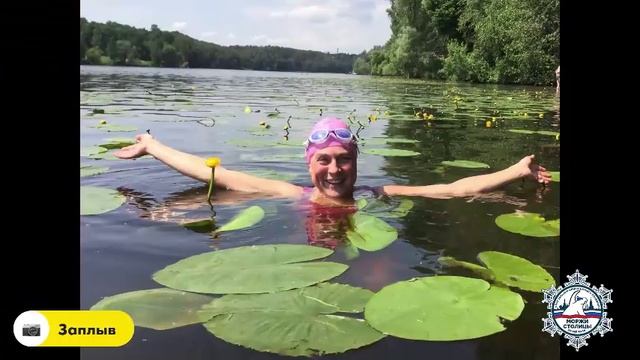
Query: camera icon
x,y
31,330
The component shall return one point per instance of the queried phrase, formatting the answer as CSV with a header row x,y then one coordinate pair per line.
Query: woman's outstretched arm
x,y
194,167
525,168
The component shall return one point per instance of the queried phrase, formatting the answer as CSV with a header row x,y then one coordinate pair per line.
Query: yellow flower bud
x,y
213,162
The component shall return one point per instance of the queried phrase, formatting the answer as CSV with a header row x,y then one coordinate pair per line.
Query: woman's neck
x,y
320,199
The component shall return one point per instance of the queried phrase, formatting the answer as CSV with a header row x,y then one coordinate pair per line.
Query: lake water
x,y
202,111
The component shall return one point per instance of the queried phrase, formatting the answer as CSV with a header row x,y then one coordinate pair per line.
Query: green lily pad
x,y
370,233
382,209
296,322
349,251
555,176
98,200
273,175
401,141
246,218
90,170
117,143
158,309
252,143
361,203
528,224
480,270
466,164
517,272
521,131
442,308
116,128
400,211
272,158
88,151
200,226
549,133
250,270
531,132
107,156
382,141
390,152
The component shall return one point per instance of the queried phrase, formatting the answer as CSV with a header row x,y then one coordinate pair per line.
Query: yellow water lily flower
x,y
488,123
247,109
213,162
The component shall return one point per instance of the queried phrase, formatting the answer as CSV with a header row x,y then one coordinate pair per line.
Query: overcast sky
x,y
325,25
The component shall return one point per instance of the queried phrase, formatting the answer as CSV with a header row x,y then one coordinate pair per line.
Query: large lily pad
x,y
390,152
370,233
90,170
442,308
98,200
250,270
466,164
158,309
555,176
295,322
382,209
528,224
246,218
117,143
88,151
517,272
116,128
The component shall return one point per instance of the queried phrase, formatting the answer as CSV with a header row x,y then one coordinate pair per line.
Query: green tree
x,y
93,55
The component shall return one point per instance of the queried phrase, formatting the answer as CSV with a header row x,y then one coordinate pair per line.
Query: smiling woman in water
x,y
331,153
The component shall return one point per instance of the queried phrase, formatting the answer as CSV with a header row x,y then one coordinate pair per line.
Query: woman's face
x,y
333,172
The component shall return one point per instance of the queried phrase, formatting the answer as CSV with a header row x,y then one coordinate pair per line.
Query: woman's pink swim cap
x,y
329,123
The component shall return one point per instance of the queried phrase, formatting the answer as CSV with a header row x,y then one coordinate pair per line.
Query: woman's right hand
x,y
136,150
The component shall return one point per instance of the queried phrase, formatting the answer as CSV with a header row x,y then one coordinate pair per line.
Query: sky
x,y
349,26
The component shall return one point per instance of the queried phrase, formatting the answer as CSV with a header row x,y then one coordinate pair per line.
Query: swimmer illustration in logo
x,y
581,305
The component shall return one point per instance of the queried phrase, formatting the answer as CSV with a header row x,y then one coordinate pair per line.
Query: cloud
x,y
363,11
208,34
313,13
231,36
178,25
263,39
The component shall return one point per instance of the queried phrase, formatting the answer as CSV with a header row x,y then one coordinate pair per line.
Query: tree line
x,y
111,43
486,41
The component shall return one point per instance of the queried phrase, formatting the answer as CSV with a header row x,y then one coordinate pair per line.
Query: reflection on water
x,y
202,112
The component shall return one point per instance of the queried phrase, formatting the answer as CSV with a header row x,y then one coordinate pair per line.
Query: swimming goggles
x,y
343,135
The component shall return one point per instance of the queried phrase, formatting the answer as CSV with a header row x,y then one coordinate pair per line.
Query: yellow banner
x,y
100,328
